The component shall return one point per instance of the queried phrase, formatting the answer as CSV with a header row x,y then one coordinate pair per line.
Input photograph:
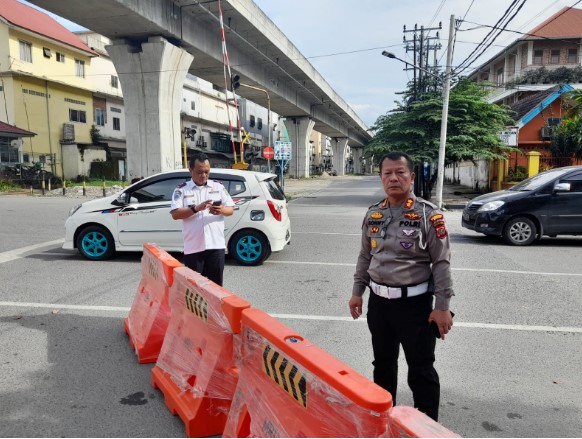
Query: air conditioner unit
x,y
546,132
16,143
68,132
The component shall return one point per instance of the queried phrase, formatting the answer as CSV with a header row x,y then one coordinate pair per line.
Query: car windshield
x,y
539,180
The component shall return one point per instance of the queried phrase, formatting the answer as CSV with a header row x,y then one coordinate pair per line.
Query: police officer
x,y
202,204
404,260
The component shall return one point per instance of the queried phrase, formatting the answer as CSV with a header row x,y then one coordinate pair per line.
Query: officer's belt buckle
x,y
396,292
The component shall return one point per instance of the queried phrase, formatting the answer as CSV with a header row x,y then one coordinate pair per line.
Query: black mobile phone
x,y
435,329
217,203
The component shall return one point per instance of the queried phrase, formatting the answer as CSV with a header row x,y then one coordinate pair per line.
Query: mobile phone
x,y
217,203
435,329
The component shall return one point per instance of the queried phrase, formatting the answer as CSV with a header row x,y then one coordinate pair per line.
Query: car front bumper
x,y
490,223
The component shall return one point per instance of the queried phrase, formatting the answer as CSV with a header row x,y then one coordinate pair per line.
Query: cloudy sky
x,y
344,39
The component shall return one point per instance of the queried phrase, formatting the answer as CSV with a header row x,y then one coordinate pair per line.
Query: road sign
x,y
509,136
269,153
282,150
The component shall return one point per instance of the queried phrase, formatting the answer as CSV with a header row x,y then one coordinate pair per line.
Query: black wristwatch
x,y
193,208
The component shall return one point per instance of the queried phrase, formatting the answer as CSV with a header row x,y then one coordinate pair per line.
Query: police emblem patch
x,y
177,195
406,245
441,232
412,216
374,229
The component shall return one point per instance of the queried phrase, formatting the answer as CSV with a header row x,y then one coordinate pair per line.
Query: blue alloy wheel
x,y
95,243
249,247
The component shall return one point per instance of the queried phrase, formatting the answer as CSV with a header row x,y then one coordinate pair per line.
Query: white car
x,y
141,213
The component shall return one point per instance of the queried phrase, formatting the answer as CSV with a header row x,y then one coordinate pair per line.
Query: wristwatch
x,y
193,208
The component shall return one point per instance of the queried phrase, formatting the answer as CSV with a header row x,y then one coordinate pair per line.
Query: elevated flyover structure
x,y
156,42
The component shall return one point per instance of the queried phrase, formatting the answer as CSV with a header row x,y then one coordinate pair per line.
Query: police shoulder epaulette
x,y
376,205
181,185
428,203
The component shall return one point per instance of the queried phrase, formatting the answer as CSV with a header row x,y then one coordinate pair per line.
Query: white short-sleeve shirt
x,y
202,231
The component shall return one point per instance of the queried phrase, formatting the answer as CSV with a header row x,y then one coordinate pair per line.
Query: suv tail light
x,y
274,210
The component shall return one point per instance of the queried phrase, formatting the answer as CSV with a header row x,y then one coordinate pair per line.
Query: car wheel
x,y
249,247
96,243
520,231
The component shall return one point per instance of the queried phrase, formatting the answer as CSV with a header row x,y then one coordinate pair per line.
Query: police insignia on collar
x,y
406,245
412,216
376,215
409,203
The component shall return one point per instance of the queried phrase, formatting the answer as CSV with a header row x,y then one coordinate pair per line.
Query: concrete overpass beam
x,y
340,148
299,130
152,77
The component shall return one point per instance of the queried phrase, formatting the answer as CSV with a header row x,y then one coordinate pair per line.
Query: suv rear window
x,y
273,189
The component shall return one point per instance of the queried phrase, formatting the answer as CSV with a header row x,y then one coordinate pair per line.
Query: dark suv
x,y
549,203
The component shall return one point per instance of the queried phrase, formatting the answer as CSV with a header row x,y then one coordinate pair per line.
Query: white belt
x,y
398,292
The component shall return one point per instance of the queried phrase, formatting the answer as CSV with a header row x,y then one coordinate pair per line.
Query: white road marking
x,y
11,255
484,270
533,328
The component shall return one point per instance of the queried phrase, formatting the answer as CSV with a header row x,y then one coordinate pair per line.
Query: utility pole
x,y
443,140
420,48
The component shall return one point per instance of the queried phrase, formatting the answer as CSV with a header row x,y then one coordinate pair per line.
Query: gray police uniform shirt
x,y
405,246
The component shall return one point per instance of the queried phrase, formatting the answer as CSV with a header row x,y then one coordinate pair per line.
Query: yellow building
x,y
44,86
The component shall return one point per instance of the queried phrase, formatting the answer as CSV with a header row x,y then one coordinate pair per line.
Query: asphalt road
x,y
509,368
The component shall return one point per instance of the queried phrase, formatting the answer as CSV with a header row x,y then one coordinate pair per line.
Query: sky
x,y
344,39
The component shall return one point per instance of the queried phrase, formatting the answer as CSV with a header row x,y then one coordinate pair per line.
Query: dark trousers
x,y
209,263
395,322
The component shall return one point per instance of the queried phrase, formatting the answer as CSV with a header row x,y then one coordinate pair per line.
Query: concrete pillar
x,y
339,146
533,163
152,77
357,154
299,130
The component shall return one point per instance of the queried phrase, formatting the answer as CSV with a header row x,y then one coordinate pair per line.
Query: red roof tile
x,y
26,17
11,129
566,23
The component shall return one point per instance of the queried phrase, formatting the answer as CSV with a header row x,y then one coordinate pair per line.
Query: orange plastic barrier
x,y
196,368
288,387
149,315
409,422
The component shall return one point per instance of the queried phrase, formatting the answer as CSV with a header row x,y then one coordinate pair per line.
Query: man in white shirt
x,y
202,204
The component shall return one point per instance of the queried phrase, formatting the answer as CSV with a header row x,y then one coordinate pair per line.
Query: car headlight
x,y
492,205
74,209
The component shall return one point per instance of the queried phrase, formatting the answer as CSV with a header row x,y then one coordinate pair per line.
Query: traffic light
x,y
235,82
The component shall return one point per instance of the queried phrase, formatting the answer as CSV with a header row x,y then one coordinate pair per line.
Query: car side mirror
x,y
121,199
562,187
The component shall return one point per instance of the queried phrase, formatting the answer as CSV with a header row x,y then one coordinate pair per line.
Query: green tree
x,y
567,138
473,126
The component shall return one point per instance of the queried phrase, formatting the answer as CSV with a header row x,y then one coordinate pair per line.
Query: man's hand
x,y
356,306
443,320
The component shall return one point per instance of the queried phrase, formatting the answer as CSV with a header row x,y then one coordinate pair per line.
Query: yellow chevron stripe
x,y
285,374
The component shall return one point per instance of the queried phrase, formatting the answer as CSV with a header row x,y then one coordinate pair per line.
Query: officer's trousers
x,y
395,322
209,263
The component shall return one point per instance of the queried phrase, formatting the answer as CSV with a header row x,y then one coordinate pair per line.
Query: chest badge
x,y
376,215
406,245
412,216
373,243
408,232
374,229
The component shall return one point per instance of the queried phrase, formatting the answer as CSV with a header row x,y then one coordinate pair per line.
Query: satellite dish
x,y
16,143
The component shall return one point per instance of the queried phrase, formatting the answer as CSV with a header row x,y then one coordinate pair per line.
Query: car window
x,y
273,189
234,187
158,191
539,180
575,181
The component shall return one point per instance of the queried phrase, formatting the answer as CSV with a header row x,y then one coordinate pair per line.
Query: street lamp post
x,y
268,115
445,112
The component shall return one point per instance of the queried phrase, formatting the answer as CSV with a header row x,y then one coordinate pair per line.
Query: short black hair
x,y
198,155
397,155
